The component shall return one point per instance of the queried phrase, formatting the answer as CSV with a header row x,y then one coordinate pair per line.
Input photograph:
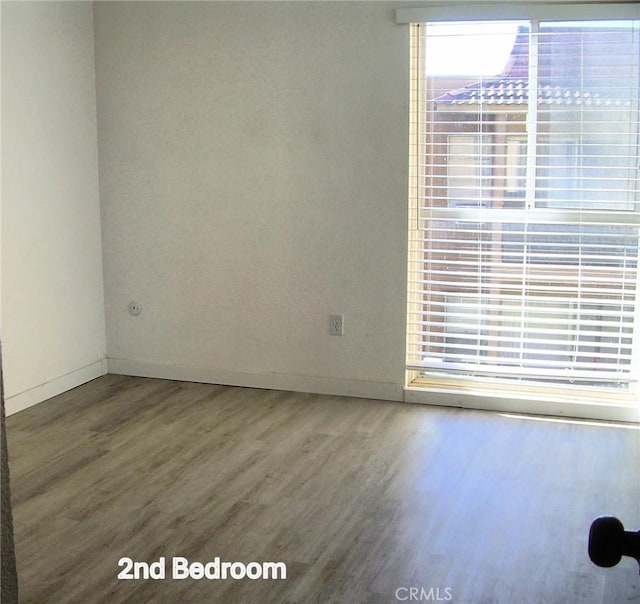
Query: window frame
x,y
604,405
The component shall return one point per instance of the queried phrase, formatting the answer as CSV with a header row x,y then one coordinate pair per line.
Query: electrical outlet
x,y
336,325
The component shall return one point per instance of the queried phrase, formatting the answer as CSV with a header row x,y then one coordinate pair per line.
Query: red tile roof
x,y
560,80
515,91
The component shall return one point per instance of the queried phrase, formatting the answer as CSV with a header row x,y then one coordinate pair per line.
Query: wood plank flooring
x,y
361,499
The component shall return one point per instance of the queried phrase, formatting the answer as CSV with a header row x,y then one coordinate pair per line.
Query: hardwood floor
x,y
361,499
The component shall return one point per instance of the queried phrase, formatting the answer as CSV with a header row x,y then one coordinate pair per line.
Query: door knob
x,y
608,542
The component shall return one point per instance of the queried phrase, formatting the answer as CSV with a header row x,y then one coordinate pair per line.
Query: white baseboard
x,y
271,381
42,392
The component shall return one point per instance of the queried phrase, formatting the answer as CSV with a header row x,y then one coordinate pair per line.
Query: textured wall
x,y
253,172
52,292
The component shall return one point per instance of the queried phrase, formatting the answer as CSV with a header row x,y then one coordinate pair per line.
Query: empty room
x,y
320,302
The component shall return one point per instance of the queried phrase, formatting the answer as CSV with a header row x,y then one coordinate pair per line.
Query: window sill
x,y
536,399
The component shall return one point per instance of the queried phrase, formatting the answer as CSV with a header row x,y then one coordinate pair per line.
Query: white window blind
x,y
525,216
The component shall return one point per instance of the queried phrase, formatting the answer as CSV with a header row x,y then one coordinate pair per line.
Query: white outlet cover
x,y
135,308
336,324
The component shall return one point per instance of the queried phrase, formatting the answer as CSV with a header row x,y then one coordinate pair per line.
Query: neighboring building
x,y
587,110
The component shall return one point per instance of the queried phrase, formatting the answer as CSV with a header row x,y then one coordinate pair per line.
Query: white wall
x,y
253,179
53,333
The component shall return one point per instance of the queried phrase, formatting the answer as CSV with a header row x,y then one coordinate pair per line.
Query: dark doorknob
x,y
608,542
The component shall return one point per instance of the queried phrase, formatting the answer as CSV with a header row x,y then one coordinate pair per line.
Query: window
x,y
524,205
